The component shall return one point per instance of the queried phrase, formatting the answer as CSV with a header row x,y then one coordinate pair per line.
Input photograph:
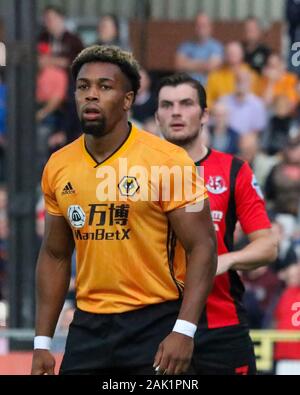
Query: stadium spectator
x,y
263,286
262,289
247,112
51,85
249,149
202,56
281,126
283,182
64,45
222,136
276,81
223,81
256,52
128,293
287,253
109,33
51,90
286,316
144,105
222,342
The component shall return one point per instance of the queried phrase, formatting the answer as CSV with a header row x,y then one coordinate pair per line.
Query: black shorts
x,y
113,342
224,351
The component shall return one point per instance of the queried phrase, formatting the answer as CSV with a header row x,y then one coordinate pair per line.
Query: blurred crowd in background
x,y
254,104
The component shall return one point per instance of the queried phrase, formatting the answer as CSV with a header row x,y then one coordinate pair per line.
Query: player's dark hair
x,y
110,54
183,78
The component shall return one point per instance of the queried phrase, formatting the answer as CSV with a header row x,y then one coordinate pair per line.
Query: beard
x,y
95,128
181,140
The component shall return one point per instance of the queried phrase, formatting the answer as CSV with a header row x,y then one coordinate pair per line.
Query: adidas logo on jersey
x,y
68,189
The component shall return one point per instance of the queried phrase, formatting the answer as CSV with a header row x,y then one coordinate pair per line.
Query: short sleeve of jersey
x,y
186,187
250,204
51,204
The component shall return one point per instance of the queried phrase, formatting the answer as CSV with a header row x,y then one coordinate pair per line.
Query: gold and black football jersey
x,y
117,211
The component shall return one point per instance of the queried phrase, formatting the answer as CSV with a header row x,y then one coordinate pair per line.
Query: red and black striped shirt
x,y
234,196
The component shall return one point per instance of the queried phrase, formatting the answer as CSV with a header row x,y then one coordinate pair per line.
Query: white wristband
x,y
185,327
42,343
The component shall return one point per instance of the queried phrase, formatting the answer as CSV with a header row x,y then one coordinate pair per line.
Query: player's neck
x,y
196,150
103,147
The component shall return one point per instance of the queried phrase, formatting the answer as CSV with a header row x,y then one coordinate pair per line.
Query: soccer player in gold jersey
x,y
136,311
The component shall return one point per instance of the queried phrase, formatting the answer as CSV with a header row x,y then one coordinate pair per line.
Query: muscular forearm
x,y
53,277
258,253
198,281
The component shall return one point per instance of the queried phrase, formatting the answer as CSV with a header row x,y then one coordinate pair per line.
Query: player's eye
x,y
82,87
105,87
187,103
165,105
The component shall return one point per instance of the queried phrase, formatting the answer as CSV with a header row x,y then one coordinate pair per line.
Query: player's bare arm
x,y
261,251
196,233
52,282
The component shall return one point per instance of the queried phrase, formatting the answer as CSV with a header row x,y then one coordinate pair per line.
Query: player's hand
x,y
174,354
225,262
43,362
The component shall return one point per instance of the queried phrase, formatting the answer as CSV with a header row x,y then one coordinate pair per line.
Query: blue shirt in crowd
x,y
201,51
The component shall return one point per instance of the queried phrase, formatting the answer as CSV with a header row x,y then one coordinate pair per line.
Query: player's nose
x,y
93,94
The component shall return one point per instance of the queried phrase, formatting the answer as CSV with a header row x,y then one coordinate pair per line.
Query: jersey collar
x,y
199,162
117,153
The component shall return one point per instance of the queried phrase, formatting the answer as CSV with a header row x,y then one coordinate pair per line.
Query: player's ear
x,y
128,100
204,116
